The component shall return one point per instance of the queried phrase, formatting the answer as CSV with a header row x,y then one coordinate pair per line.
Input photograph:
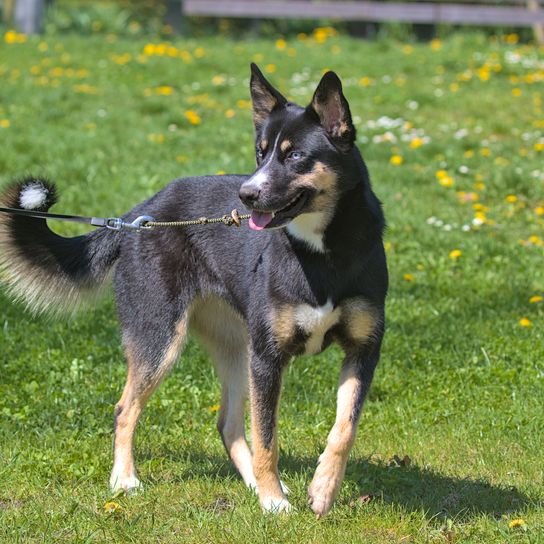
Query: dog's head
x,y
299,152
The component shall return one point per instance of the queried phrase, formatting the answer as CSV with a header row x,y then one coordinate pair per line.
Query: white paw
x,y
128,484
322,492
276,505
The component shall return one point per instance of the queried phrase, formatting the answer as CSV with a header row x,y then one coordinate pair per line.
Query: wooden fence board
x,y
414,12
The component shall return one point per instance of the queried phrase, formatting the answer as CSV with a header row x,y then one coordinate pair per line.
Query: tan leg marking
x,y
283,324
265,468
360,319
129,408
332,462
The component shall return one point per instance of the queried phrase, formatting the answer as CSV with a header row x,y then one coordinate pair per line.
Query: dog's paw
x,y
322,492
276,505
129,484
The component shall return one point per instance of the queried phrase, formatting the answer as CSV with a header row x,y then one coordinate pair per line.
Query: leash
x,y
143,222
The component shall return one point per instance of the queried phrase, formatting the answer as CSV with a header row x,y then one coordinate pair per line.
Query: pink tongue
x,y
259,220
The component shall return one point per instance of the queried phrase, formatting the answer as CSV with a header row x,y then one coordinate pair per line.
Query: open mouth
x,y
260,220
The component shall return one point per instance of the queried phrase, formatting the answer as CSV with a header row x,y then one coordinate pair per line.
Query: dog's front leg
x,y
265,384
355,379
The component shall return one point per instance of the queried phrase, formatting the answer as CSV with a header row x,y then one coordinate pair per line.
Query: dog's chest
x,y
315,321
303,328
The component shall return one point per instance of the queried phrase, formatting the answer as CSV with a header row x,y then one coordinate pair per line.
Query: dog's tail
x,y
47,271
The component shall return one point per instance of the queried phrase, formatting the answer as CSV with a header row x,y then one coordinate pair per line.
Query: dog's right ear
x,y
263,97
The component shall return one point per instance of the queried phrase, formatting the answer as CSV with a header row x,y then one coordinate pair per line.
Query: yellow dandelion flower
x,y
281,44
86,89
4,123
396,160
536,298
408,277
511,38
42,46
243,104
524,322
182,159
407,49
534,239
112,507
468,153
218,79
416,142
164,90
483,74
365,81
193,117
455,254
436,44
149,49
199,52
446,181
270,68
441,174
387,246
156,138
215,407
539,210
516,91
511,198
230,113
539,146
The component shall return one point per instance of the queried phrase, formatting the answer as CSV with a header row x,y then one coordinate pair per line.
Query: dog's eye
x,y
294,156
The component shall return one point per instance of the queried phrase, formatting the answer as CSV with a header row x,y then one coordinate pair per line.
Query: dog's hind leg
x,y
231,420
149,356
224,335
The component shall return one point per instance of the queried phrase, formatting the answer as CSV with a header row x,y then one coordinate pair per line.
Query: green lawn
x,y
453,134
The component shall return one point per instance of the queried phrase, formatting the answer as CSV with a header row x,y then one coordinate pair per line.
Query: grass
x,y
459,387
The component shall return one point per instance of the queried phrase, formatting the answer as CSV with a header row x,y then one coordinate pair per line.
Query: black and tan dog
x,y
309,272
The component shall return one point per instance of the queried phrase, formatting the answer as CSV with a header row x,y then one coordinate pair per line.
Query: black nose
x,y
249,193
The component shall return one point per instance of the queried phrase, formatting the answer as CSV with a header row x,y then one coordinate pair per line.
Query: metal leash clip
x,y
116,223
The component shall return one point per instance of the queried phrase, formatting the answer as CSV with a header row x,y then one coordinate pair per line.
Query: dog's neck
x,y
356,218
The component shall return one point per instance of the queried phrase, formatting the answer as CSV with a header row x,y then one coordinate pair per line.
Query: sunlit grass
x,y
453,134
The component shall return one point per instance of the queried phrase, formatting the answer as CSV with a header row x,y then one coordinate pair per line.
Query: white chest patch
x,y
309,228
316,321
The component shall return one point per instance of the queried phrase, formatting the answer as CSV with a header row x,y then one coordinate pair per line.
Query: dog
x,y
311,270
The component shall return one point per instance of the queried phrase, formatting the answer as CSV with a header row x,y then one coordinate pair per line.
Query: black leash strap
x,y
113,223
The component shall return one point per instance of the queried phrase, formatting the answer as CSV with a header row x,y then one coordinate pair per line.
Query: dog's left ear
x,y
264,97
332,109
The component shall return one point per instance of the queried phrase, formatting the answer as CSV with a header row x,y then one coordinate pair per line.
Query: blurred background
x,y
421,19
114,99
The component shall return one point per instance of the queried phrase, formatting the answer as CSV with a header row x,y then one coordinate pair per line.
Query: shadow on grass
x,y
412,488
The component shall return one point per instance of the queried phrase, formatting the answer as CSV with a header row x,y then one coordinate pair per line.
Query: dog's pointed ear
x,y
263,97
332,110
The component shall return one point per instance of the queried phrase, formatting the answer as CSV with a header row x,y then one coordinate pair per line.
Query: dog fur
x,y
310,271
